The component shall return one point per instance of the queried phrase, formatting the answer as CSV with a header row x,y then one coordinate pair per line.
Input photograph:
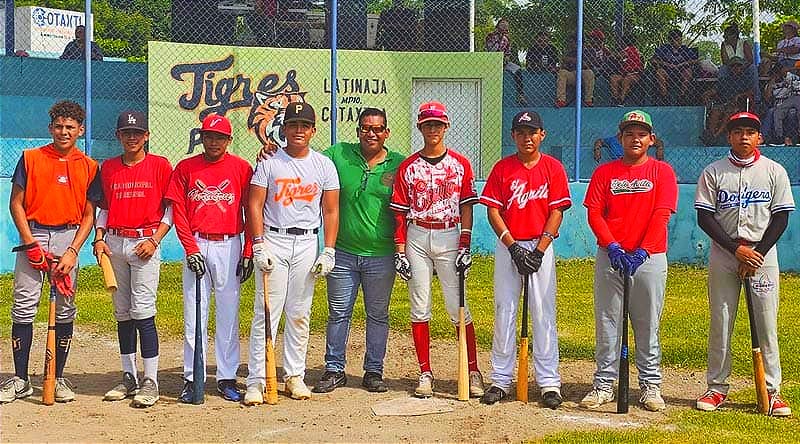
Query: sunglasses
x,y
377,129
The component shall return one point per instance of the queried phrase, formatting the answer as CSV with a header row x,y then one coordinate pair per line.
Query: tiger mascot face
x,y
266,115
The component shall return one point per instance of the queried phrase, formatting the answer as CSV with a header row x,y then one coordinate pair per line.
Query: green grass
x,y
684,330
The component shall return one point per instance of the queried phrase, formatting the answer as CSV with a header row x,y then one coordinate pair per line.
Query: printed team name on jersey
x,y
133,189
212,194
522,197
744,197
291,189
625,186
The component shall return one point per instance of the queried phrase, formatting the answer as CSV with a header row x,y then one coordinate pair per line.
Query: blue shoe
x,y
187,394
227,388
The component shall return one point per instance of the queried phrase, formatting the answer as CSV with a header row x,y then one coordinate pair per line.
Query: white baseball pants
x,y
542,313
221,258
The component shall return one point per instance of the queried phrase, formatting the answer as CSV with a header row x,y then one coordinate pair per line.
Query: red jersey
x,y
134,195
209,197
631,61
627,197
433,193
526,196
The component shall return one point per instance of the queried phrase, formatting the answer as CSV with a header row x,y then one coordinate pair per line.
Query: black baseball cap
x,y
531,119
132,120
299,112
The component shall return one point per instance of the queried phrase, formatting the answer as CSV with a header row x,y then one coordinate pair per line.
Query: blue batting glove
x,y
617,256
636,259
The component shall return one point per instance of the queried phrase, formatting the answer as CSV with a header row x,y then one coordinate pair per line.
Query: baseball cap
x,y
791,24
598,34
531,119
636,117
432,110
131,120
744,118
735,60
299,112
217,124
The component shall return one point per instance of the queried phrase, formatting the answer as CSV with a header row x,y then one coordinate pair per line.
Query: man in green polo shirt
x,y
364,250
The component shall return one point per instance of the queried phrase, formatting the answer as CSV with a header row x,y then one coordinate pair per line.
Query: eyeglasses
x,y
377,129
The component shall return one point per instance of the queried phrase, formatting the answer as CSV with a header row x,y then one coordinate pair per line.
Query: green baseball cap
x,y
636,117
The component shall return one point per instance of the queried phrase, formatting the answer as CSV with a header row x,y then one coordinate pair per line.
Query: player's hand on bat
x,y
325,262
267,150
196,264
402,266
244,269
100,247
263,258
62,282
746,271
748,256
619,260
36,257
535,259
521,257
144,250
636,259
463,260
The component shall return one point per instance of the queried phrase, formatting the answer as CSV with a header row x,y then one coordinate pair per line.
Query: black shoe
x,y
187,394
227,388
373,382
493,395
329,381
551,399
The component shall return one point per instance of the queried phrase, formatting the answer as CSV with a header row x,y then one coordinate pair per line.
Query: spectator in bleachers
x,y
674,63
542,56
788,49
737,81
629,72
566,76
721,104
499,41
733,48
782,93
598,55
262,21
76,49
398,28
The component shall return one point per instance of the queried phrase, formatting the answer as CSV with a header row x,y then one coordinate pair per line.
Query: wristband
x,y
257,239
73,250
503,234
153,241
94,242
548,234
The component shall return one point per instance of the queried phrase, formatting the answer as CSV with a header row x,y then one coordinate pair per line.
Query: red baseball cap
x,y
217,124
432,110
744,118
598,34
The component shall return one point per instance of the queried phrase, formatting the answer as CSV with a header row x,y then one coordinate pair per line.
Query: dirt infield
x,y
344,415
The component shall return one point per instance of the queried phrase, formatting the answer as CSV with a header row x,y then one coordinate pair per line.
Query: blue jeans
x,y
376,277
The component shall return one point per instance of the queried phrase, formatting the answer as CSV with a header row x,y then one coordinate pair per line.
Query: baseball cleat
x,y
64,392
551,399
148,394
15,388
493,395
475,384
373,382
124,389
651,398
187,394
254,394
425,387
297,388
710,401
777,406
597,397
227,388
329,381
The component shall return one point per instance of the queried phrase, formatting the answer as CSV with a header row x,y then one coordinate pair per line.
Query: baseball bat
x,y
623,387
49,382
198,366
108,273
463,368
271,385
759,378
522,367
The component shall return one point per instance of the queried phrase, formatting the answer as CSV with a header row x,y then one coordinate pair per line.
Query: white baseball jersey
x,y
743,199
294,188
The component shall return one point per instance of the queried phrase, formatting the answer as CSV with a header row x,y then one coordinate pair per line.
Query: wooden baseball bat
x,y
49,382
108,273
271,385
522,366
623,386
198,365
762,397
463,367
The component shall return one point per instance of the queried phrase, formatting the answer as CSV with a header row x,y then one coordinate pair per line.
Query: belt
x,y
132,232
294,231
214,236
37,225
434,225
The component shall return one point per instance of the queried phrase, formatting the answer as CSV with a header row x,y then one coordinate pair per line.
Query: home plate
x,y
408,406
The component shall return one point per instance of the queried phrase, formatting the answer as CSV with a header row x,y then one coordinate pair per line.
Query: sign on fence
x,y
44,32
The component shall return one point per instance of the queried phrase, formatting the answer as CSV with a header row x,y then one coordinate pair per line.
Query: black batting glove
x,y
196,264
244,269
519,255
535,259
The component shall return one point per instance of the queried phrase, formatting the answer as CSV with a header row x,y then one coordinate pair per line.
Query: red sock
x,y
422,343
472,353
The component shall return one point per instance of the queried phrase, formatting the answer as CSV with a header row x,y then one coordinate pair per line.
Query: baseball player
x,y
433,192
629,202
208,193
53,197
743,204
288,193
133,219
526,195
